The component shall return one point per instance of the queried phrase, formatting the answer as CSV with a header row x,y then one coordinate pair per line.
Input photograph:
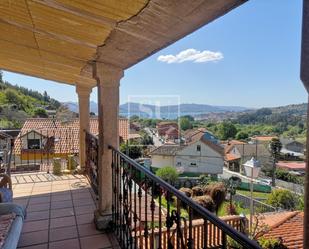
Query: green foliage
x,y
189,117
146,139
18,103
282,198
133,150
40,113
226,130
275,147
168,174
242,135
185,123
271,243
285,175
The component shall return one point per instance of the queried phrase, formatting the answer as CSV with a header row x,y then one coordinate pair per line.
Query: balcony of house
x,y
63,211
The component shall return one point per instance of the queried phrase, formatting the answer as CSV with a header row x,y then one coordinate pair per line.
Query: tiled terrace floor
x,y
60,215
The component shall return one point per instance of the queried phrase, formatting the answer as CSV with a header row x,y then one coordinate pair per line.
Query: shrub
x,y
187,191
205,201
168,174
282,198
217,192
40,113
231,209
197,191
270,243
284,175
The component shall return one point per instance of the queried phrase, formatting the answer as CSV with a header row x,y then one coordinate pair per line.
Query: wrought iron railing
x,y
150,213
92,157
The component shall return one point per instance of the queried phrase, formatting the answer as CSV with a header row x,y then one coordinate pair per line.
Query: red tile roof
x,y
263,138
291,165
66,134
231,157
286,225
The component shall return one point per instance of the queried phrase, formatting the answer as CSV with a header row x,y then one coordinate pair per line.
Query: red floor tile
x,y
63,233
65,244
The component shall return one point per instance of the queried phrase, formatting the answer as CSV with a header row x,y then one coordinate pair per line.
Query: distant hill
x,y
171,111
287,115
18,103
73,106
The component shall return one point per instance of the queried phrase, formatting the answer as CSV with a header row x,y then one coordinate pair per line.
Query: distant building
x,y
163,127
292,148
238,152
203,154
232,160
42,139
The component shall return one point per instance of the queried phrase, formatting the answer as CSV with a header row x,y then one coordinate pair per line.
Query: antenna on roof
x,y
54,122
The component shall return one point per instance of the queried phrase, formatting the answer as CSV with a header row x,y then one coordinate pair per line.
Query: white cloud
x,y
193,55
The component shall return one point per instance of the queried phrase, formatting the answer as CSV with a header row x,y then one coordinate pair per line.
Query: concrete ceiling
x,y
60,39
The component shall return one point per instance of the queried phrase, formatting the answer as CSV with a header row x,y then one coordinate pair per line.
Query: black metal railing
x,y
150,213
92,157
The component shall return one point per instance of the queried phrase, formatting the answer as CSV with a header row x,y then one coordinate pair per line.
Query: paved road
x,y
156,141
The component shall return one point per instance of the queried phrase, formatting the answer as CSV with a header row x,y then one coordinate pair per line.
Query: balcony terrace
x,y
90,44
59,212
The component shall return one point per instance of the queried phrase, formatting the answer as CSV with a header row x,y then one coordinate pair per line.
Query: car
x,y
265,182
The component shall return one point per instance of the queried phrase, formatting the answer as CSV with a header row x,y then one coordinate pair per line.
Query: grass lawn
x,y
239,209
255,194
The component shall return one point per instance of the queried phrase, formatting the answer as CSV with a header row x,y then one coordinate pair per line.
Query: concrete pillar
x,y
108,81
83,104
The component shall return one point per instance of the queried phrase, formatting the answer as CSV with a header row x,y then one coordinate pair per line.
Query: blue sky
x,y
255,51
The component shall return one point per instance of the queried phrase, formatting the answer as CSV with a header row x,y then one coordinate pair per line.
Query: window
x,y
34,144
193,164
198,148
178,164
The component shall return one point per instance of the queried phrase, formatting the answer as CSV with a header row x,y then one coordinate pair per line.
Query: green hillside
x,y
18,103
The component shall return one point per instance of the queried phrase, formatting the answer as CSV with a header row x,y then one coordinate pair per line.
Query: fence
x,y
258,206
36,150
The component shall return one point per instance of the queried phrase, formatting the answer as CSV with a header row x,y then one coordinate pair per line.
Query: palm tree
x,y
275,147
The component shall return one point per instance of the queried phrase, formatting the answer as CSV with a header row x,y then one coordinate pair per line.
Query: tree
x,y
275,147
132,150
40,112
46,97
231,185
283,198
168,174
241,135
226,130
185,123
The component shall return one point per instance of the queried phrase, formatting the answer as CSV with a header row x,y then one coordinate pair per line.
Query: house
x,y
238,153
202,154
42,139
171,134
232,159
164,126
286,226
292,148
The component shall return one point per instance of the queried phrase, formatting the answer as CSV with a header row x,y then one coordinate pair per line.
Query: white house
x,y
201,154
